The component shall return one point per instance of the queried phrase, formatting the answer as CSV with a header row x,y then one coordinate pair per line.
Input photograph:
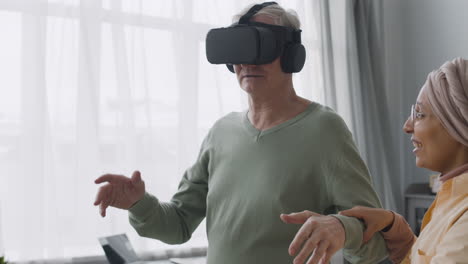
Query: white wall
x,y
420,35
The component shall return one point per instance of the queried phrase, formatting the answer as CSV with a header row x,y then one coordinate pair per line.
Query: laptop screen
x,y
118,249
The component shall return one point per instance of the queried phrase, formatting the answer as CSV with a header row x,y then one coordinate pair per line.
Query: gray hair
x,y
282,17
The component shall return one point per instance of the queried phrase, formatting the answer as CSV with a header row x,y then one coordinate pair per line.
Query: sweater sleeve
x,y
174,222
349,185
399,239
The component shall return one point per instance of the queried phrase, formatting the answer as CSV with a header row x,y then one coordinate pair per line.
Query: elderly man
x,y
284,154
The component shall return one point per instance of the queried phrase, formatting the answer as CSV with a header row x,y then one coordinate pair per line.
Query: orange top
x,y
444,235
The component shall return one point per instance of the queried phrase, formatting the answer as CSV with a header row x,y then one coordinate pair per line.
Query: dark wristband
x,y
387,228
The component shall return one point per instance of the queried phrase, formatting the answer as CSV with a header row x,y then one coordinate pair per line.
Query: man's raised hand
x,y
120,191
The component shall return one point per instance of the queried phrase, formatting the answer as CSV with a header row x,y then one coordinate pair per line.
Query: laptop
x,y
119,251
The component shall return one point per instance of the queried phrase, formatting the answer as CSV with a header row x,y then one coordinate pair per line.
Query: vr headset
x,y
256,43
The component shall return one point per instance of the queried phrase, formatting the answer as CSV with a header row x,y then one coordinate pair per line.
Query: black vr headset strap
x,y
245,19
293,55
252,11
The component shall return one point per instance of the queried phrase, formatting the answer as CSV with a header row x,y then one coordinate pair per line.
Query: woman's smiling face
x,y
434,148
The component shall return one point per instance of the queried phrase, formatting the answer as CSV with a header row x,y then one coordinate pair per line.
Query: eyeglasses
x,y
415,115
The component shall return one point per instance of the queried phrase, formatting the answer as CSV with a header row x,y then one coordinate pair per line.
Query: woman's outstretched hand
x,y
375,219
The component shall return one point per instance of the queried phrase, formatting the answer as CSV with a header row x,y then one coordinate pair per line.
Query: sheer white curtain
x,y
351,34
95,86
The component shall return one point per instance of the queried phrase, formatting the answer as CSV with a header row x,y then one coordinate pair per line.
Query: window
x,y
89,87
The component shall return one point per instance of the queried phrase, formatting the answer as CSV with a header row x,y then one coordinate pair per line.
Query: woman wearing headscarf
x,y
439,127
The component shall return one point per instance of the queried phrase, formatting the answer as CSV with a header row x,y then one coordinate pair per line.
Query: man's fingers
x,y
302,236
309,246
297,242
319,252
297,218
291,219
326,258
111,178
97,199
331,250
136,177
102,207
102,193
306,250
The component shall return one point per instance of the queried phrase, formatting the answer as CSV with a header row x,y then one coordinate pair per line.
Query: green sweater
x,y
244,179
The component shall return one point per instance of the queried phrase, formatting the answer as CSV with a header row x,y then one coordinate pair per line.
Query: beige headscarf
x,y
447,90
